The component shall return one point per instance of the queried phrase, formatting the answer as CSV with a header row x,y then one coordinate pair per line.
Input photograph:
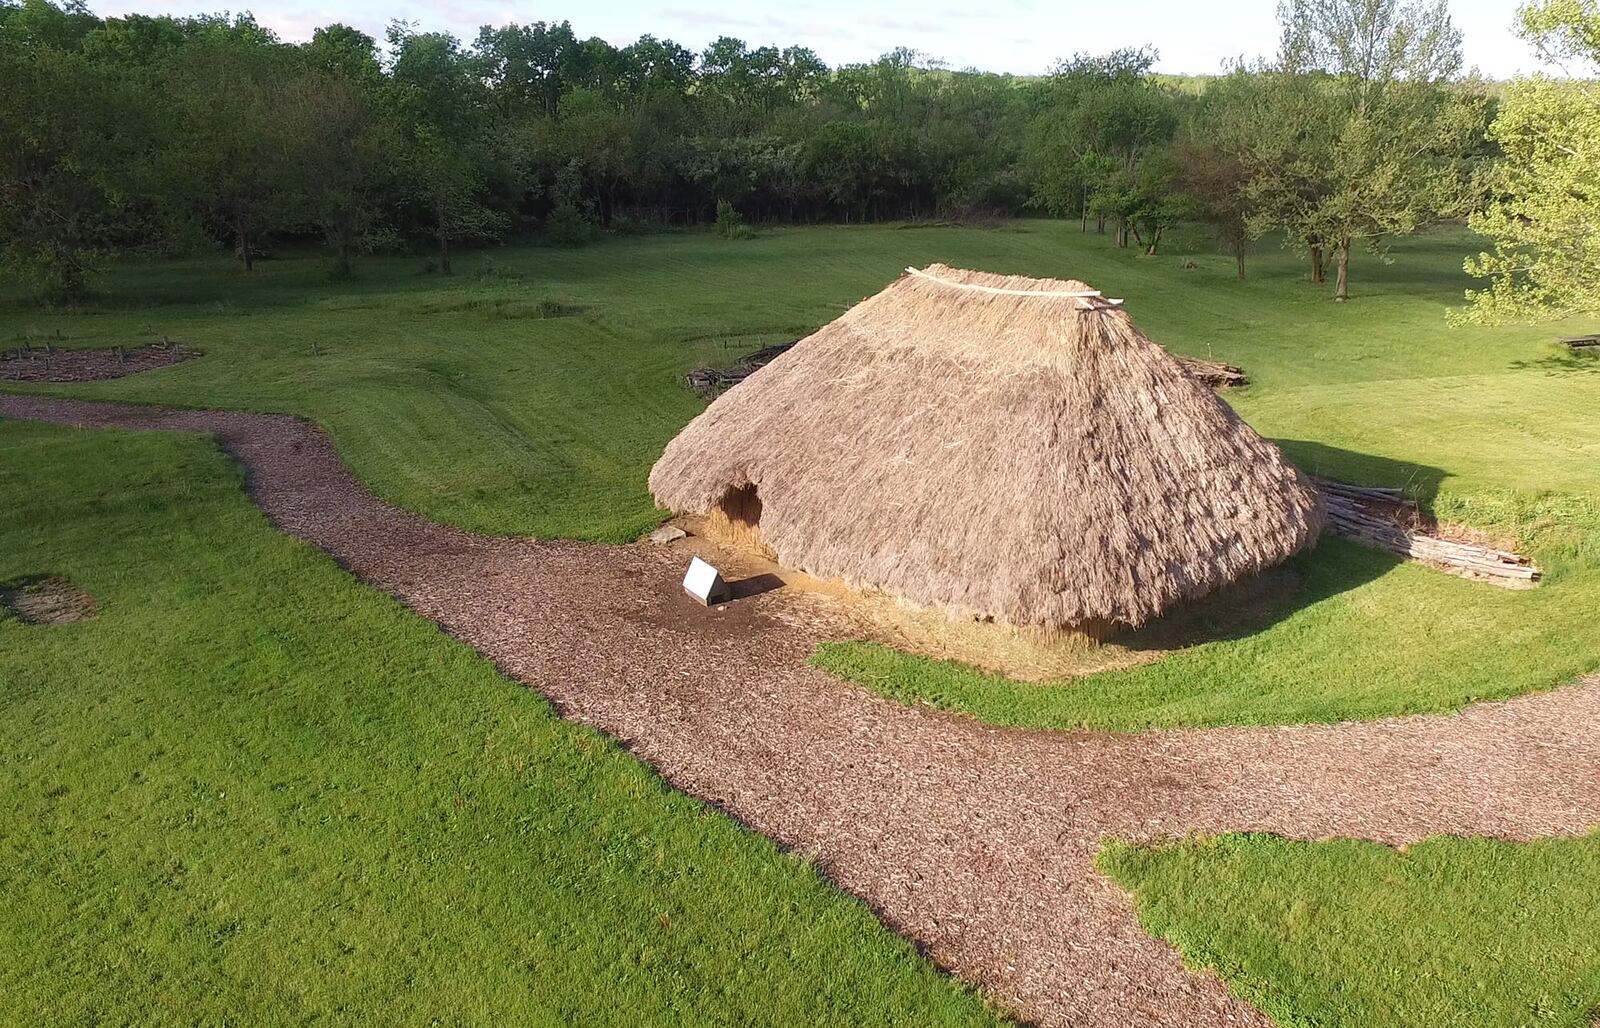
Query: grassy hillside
x,y
186,765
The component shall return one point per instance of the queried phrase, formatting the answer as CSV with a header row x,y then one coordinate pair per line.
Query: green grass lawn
x,y
1466,933
254,791
462,399
1365,637
252,785
456,397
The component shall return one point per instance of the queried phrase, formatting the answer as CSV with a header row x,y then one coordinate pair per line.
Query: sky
x,y
1021,36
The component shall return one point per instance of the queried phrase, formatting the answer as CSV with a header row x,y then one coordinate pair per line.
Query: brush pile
x,y
1384,519
709,382
1215,374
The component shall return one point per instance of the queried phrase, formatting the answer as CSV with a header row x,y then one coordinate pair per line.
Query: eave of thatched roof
x,y
996,451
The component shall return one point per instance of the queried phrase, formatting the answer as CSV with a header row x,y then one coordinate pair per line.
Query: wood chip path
x,y
977,843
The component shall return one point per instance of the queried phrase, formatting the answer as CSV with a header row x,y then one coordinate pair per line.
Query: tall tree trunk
x,y
64,259
1317,275
1341,289
1155,243
246,253
1085,211
444,244
1100,224
1238,262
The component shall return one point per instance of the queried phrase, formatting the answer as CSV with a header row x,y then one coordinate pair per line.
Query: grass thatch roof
x,y
962,444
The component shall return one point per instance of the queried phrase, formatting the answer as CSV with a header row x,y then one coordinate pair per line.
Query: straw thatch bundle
x,y
962,441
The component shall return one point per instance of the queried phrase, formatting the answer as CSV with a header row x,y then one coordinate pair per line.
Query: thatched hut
x,y
1004,447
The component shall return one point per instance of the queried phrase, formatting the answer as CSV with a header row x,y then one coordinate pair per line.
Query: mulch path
x,y
977,843
87,365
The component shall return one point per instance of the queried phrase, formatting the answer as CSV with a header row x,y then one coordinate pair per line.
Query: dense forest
x,y
167,134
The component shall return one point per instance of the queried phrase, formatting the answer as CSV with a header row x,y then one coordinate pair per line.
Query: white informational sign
x,y
705,583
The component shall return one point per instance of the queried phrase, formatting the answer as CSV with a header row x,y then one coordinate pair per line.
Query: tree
x,y
1544,217
1103,120
343,153
529,67
1213,160
158,131
437,107
73,142
232,156
1142,200
1363,137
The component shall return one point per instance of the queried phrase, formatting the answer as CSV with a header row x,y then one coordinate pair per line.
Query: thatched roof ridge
x,y
1032,458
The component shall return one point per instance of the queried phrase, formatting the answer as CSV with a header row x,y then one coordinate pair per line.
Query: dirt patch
x,y
46,600
54,364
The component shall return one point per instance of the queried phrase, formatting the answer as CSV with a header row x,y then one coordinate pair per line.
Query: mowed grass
x,y
253,791
465,399
406,836
1470,933
458,397
1364,637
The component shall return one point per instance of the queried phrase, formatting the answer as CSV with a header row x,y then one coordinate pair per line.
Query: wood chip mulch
x,y
41,364
977,843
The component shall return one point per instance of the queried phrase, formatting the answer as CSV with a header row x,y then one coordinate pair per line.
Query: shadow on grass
x,y
1255,604
1584,359
1419,482
1333,566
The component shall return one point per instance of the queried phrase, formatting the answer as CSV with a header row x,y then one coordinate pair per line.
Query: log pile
x,y
1215,374
1581,342
710,382
1384,519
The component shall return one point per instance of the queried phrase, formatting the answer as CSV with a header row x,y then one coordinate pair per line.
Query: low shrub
x,y
568,225
730,223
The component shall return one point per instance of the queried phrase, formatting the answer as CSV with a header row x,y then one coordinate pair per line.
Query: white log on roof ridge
x,y
1077,294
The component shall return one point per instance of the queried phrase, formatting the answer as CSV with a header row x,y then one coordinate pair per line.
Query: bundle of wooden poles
x,y
1215,374
711,381
1384,519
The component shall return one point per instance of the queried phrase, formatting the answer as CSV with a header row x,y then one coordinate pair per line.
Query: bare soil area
x,y
54,364
46,600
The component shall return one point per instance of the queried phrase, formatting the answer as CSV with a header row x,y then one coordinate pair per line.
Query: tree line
x,y
163,134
